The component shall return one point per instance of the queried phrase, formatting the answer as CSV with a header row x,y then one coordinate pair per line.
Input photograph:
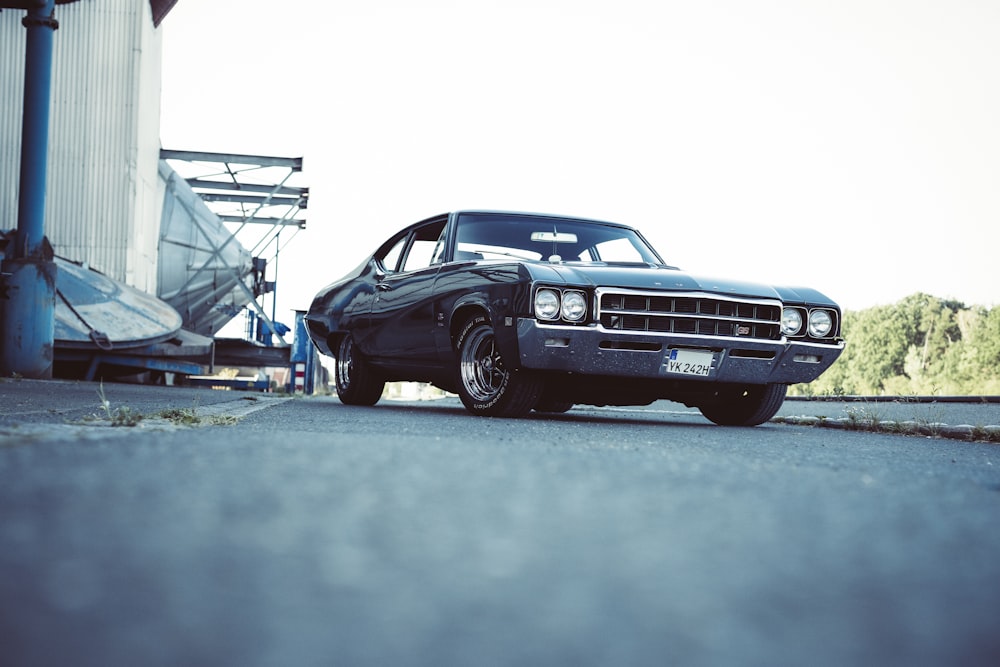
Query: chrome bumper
x,y
593,350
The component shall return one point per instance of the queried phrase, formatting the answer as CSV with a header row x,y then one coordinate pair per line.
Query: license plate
x,y
688,362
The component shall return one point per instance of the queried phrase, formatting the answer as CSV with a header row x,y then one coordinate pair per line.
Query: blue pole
x,y
298,353
27,290
41,25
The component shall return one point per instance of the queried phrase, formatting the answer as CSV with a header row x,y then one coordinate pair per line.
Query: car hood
x,y
649,277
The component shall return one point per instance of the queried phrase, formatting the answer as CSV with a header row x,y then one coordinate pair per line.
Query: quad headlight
x,y
791,321
547,304
815,323
820,323
574,306
552,304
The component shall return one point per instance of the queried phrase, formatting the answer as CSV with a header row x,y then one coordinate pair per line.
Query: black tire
x,y
356,383
553,405
486,385
747,406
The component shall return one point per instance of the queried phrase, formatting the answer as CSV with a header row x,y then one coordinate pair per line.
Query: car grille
x,y
695,314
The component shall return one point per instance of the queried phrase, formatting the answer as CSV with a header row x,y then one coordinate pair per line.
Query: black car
x,y
517,312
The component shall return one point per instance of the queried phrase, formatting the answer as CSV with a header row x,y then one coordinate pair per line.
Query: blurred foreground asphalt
x,y
410,533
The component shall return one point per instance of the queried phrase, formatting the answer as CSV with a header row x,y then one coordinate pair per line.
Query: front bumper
x,y
594,350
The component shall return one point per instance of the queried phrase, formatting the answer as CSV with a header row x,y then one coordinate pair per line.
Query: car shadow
x,y
650,416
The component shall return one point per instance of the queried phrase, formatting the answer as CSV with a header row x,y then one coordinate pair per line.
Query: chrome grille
x,y
687,313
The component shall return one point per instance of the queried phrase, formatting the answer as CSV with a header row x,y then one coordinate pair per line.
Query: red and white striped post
x,y
299,383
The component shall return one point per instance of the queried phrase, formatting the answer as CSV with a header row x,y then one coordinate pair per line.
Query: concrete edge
x,y
986,434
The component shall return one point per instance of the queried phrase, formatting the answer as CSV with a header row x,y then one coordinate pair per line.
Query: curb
x,y
896,399
988,434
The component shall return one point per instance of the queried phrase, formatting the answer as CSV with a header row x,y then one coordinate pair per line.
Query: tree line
x,y
920,346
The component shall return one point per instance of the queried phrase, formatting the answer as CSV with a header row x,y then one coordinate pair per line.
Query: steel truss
x,y
254,197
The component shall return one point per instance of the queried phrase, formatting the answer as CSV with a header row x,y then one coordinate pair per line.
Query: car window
x,y
424,241
527,237
482,251
391,259
419,255
438,255
617,250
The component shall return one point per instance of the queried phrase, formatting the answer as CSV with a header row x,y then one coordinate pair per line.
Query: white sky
x,y
851,146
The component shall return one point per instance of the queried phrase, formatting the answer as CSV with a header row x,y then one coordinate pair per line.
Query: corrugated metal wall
x,y
103,206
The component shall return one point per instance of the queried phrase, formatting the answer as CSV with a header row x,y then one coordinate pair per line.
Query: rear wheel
x,y
486,385
746,406
357,384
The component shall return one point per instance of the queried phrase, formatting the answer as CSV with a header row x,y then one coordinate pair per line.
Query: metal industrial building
x,y
157,221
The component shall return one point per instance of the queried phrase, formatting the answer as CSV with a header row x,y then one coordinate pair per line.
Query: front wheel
x,y
486,385
746,406
357,384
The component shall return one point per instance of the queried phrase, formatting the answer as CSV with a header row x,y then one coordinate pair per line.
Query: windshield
x,y
497,235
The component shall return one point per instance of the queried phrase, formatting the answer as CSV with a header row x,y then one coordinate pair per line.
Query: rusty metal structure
x,y
118,255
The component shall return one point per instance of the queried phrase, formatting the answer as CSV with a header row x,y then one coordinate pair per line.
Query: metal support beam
x,y
293,163
296,222
207,184
259,200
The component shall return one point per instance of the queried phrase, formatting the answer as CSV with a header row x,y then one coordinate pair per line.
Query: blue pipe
x,y
41,26
27,291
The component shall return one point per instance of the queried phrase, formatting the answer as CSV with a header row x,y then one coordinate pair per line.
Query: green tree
x,y
935,338
878,341
981,352
920,345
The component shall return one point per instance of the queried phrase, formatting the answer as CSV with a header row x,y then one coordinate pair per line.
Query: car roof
x,y
530,214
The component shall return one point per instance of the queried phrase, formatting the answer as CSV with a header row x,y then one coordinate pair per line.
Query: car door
x,y
401,322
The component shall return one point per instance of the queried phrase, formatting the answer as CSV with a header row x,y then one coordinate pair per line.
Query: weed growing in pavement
x,y
126,416
982,433
180,416
123,416
865,417
189,417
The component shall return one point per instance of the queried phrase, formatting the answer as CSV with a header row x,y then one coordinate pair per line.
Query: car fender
x,y
339,308
501,302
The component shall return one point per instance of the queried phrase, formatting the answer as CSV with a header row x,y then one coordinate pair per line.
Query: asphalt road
x,y
311,533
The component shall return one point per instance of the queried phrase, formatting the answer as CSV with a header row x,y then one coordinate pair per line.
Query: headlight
x,y
574,306
547,304
820,323
791,321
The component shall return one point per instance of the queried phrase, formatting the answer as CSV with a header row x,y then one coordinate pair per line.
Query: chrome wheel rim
x,y
345,363
483,371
